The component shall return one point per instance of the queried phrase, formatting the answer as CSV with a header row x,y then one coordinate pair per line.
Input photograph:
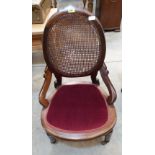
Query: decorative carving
x,y
112,92
42,96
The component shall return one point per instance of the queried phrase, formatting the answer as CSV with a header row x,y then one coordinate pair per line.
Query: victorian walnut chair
x,y
74,46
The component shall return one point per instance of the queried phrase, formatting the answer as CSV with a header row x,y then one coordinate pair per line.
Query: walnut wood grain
x,y
42,96
112,92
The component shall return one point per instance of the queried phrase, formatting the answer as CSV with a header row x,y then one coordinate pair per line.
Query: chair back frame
x,y
52,58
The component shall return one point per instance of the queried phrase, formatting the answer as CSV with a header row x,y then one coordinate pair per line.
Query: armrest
x,y
112,92
42,95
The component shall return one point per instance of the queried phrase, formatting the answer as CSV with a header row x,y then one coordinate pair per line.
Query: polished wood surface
x,y
112,92
42,95
109,13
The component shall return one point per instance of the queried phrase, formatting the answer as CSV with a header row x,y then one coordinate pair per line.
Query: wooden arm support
x,y
42,95
112,92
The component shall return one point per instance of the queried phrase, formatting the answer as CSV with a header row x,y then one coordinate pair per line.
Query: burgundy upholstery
x,y
77,107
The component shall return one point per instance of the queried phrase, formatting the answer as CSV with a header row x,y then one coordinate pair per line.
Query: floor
x,y
41,143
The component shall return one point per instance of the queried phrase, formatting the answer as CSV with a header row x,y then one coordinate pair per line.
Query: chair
x,y
74,46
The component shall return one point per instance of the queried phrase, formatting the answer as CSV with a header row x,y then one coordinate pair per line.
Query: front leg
x,y
107,138
52,138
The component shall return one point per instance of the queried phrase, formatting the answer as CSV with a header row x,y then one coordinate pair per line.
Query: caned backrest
x,y
74,44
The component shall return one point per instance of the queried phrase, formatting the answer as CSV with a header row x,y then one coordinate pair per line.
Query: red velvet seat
x,y
77,107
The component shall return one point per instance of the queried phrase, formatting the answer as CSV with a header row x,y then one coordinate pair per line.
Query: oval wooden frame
x,y
99,28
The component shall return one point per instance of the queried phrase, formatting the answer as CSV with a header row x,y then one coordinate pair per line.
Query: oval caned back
x,y
74,44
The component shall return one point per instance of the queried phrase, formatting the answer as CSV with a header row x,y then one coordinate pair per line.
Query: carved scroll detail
x,y
112,92
42,95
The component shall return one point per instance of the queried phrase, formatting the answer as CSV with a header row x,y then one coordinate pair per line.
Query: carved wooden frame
x,y
104,74
112,92
42,95
105,130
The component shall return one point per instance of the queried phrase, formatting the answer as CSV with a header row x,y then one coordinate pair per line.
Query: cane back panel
x,y
74,44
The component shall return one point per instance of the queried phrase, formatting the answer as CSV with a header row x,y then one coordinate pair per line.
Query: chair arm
x,y
112,92
42,95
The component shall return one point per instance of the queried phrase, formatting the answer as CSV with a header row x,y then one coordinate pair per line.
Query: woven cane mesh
x,y
73,45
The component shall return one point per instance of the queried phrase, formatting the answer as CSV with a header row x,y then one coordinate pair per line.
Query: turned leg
x,y
52,139
107,138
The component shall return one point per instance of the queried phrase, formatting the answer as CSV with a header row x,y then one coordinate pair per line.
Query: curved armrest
x,y
112,92
42,95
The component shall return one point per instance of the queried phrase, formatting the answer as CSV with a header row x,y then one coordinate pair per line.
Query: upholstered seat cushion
x,y
77,107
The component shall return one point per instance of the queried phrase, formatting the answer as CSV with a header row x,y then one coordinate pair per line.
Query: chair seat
x,y
77,107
